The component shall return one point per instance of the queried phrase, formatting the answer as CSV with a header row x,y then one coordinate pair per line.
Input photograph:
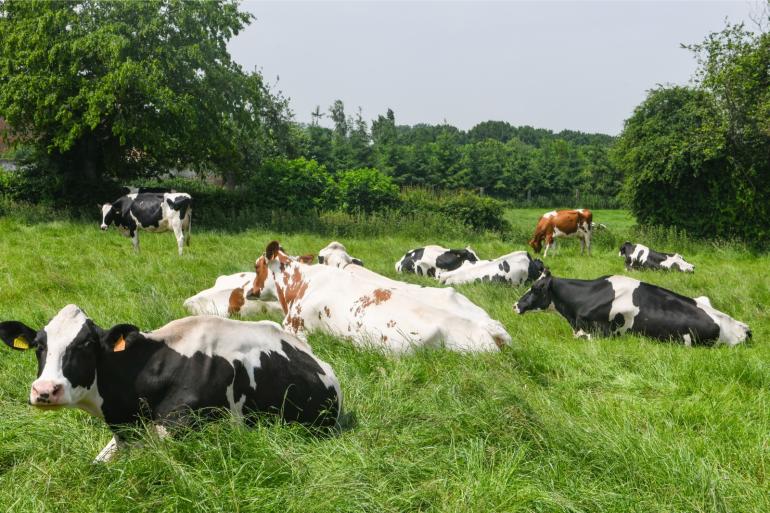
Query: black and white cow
x,y
514,268
639,256
153,212
434,260
335,255
613,305
203,365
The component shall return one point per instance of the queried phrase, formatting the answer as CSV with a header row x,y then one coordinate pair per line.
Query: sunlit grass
x,y
551,424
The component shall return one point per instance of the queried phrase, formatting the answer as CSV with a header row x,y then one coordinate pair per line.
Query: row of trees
x,y
494,156
698,157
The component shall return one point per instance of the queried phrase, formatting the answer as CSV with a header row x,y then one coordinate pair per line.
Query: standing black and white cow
x,y
614,305
153,212
514,268
200,365
433,260
639,256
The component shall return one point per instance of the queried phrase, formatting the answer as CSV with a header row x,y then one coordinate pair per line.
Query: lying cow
x,y
434,260
563,223
228,297
614,305
200,365
514,268
639,256
153,212
335,255
371,313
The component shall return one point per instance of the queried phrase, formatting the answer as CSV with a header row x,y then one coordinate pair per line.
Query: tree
x,y
120,89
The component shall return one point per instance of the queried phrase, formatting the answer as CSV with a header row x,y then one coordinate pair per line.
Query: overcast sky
x,y
576,65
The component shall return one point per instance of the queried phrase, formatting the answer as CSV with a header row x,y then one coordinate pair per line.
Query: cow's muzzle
x,y
516,308
103,227
46,393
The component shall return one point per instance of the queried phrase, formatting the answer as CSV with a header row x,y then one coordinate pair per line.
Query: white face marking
x,y
622,304
731,331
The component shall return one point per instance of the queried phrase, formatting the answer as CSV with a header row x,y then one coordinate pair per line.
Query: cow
x,y
639,256
613,305
191,368
514,268
433,260
228,297
563,223
335,255
153,212
369,312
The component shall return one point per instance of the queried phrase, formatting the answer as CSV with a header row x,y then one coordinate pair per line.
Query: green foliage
x,y
552,424
477,212
125,89
366,190
297,185
699,158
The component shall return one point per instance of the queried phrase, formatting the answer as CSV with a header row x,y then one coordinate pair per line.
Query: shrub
x,y
298,185
366,190
476,212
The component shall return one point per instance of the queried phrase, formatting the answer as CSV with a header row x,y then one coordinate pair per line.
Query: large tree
x,y
120,89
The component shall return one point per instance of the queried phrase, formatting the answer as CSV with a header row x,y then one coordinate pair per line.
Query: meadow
x,y
550,424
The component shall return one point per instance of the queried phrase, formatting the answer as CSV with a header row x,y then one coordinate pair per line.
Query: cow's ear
x,y
17,335
356,261
118,338
272,250
306,259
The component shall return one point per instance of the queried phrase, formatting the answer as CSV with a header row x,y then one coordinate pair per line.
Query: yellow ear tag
x,y
20,343
120,345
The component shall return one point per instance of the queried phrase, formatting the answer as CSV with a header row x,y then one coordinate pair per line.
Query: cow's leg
x,y
109,451
179,234
588,242
135,240
188,226
548,241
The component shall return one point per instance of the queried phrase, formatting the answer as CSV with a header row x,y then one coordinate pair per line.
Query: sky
x,y
556,65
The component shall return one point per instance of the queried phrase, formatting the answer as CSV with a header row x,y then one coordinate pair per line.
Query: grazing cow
x,y
563,223
200,365
356,305
153,212
228,297
639,256
514,268
433,260
335,255
614,305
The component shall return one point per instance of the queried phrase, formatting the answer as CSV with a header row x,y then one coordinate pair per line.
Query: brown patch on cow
x,y
391,323
326,311
378,296
381,295
295,322
260,266
237,300
384,338
306,259
499,343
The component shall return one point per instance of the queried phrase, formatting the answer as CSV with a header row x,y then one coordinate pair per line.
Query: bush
x,y
297,185
366,190
474,211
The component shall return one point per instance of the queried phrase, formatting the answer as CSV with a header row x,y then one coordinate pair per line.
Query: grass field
x,y
551,424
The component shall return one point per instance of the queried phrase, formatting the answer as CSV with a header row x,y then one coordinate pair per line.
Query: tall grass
x,y
551,424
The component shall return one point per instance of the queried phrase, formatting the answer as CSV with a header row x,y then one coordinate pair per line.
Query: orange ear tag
x,y
120,345
20,343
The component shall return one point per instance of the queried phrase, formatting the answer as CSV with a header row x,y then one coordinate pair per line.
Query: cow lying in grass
x,y
514,268
434,260
639,256
371,310
335,255
614,305
196,365
228,297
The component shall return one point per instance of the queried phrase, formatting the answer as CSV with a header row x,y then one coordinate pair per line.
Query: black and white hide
x,y
152,212
514,268
613,305
639,256
191,368
434,260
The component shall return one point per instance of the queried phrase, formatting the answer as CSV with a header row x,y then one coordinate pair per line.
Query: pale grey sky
x,y
577,65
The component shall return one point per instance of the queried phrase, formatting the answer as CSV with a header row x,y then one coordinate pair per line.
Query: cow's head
x,y
268,266
535,268
68,349
538,297
109,212
335,255
536,244
627,249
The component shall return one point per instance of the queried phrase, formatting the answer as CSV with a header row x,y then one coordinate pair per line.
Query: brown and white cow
x,y
563,223
228,298
370,310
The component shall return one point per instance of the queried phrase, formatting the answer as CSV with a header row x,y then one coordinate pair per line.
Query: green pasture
x,y
551,424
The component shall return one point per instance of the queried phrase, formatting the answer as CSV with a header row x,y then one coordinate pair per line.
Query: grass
x,y
552,424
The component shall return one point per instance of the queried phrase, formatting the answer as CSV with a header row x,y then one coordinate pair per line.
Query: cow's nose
x,y
46,392
103,227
